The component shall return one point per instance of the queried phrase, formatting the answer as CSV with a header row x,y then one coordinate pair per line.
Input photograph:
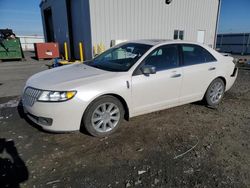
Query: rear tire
x,y
103,116
215,92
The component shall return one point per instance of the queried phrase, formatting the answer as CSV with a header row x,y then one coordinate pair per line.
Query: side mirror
x,y
148,69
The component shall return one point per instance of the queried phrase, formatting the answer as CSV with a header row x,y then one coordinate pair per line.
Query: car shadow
x,y
13,170
84,131
202,103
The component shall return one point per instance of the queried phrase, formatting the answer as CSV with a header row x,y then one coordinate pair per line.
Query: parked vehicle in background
x,y
130,79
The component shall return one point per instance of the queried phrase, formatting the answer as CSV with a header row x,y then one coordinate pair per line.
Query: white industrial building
x,y
96,22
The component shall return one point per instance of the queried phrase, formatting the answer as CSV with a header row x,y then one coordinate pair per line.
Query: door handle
x,y
176,76
212,68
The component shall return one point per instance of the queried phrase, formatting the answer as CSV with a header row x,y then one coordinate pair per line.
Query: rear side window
x,y
193,54
164,57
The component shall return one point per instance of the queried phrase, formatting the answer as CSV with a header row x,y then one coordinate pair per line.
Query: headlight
x,y
56,96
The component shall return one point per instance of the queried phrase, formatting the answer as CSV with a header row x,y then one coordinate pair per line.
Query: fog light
x,y
45,121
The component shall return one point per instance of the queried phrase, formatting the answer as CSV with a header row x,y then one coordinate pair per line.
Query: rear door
x,y
160,90
199,69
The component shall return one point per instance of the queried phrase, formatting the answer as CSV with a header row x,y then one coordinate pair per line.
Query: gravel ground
x,y
186,146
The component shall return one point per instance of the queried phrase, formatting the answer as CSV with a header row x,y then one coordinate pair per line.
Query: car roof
x,y
154,42
151,42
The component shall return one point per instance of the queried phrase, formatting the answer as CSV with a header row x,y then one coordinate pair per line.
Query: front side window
x,y
163,58
120,58
193,54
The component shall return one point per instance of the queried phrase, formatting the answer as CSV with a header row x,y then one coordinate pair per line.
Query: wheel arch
x,y
223,79
124,104
118,97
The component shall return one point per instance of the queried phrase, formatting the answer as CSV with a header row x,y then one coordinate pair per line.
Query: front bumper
x,y
56,116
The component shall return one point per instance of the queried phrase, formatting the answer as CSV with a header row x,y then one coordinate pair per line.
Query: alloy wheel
x,y
216,92
105,117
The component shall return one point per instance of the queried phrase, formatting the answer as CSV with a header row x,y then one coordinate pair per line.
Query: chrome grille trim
x,y
30,96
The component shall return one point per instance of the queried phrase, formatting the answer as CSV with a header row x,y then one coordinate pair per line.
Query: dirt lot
x,y
145,152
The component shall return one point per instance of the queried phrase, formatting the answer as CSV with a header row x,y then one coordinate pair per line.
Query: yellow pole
x,y
66,51
99,49
103,47
81,52
95,50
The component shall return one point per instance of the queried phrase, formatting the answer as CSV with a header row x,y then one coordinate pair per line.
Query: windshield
x,y
120,58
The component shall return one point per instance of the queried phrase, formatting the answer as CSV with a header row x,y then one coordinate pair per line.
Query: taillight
x,y
234,72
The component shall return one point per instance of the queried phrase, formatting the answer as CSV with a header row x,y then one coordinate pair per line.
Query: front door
x,y
161,90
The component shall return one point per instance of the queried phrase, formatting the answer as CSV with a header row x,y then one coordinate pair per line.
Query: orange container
x,y
46,50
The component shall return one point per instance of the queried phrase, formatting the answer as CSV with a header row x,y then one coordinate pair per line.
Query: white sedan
x,y
128,80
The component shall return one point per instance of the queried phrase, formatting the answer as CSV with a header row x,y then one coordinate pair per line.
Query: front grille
x,y
30,96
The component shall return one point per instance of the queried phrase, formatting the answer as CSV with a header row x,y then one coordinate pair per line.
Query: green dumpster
x,y
10,49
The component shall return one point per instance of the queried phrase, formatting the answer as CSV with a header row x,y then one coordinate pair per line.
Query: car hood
x,y
67,77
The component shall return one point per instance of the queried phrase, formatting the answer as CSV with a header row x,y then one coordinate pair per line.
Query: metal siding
x,y
81,27
77,25
148,19
101,21
86,30
60,20
80,23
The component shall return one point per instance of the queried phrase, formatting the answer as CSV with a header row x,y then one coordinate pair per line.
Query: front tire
x,y
103,116
215,92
